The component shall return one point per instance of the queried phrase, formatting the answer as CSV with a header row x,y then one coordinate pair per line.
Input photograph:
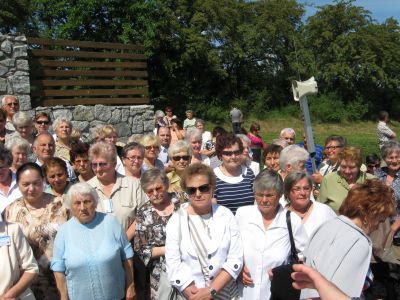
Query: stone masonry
x,y
14,80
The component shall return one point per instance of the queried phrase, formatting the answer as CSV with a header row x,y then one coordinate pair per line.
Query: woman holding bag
x,y
203,251
265,237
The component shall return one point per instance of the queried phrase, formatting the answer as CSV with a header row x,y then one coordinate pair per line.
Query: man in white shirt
x,y
164,135
385,134
10,104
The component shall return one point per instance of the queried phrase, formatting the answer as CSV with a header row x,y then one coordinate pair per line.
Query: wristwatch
x,y
213,292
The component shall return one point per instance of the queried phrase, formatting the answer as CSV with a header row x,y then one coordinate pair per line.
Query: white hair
x,y
17,141
288,130
292,155
61,120
22,118
193,132
178,147
244,137
3,100
80,188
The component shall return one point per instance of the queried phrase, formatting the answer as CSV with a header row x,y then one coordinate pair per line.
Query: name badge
x,y
107,204
5,240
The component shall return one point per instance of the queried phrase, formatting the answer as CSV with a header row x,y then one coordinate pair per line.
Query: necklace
x,y
304,214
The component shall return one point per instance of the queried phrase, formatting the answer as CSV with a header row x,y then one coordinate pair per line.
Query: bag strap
x,y
293,251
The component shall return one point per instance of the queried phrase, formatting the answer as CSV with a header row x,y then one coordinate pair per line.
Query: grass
x,y
359,134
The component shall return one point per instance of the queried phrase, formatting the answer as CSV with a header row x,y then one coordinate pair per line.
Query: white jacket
x,y
224,252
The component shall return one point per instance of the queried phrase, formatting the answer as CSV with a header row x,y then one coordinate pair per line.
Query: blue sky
x,y
380,9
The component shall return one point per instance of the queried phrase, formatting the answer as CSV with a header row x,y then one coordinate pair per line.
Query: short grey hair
x,y
280,142
292,155
159,114
199,121
22,118
18,142
287,130
132,146
268,180
291,179
151,176
60,120
193,132
390,147
80,188
178,147
3,100
244,137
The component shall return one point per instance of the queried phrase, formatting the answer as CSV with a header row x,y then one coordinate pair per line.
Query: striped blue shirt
x,y
234,192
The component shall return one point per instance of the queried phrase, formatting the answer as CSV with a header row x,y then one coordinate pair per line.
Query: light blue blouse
x,y
91,257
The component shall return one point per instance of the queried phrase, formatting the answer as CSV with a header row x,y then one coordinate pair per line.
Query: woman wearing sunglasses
x,y
42,122
234,181
151,146
179,156
119,195
203,251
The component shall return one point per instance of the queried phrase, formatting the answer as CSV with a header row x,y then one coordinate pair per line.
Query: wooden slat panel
x,y
94,73
91,92
83,44
86,54
93,101
90,64
70,82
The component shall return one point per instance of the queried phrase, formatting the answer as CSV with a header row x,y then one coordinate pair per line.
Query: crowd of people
x,y
185,213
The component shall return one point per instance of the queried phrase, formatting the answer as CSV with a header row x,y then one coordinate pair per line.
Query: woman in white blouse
x,y
297,189
265,236
203,251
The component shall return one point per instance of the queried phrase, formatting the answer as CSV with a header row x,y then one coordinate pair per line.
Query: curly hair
x,y
198,169
371,199
351,154
227,140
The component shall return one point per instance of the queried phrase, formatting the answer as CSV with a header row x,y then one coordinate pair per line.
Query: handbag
x,y
281,283
165,290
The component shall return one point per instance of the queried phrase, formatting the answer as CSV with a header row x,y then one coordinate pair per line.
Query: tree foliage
x,y
210,53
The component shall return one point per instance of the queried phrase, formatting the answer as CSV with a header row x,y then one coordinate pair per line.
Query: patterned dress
x,y
40,231
150,232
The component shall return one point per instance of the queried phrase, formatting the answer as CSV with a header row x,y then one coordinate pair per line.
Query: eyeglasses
x,y
178,158
299,189
205,188
230,153
12,104
373,166
133,158
158,189
151,147
333,147
43,122
100,165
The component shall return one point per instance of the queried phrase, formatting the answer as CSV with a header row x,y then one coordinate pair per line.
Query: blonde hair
x,y
150,140
103,149
106,130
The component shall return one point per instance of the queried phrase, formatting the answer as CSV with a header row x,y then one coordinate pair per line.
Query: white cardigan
x,y
224,252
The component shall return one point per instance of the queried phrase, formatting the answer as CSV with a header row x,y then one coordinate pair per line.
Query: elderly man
x,y
10,104
289,135
44,148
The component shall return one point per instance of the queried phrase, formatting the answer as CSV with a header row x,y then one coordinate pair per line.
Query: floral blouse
x,y
40,231
150,232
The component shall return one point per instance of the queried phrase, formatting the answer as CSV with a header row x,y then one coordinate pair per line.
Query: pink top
x,y
256,141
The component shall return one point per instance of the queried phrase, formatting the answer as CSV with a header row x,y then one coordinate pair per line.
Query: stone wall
x,y
14,80
14,69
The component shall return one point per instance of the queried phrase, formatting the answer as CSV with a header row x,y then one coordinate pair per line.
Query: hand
x,y
245,276
130,294
395,226
317,178
7,297
190,290
202,294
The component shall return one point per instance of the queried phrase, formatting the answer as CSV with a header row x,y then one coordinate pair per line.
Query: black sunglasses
x,y
205,188
178,158
43,122
229,153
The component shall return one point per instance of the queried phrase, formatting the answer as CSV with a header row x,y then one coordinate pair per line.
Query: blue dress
x,y
91,257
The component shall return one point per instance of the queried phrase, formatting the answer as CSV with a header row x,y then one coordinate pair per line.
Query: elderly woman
x,y
151,221
246,155
297,190
292,158
18,265
390,175
151,146
265,236
42,122
179,155
24,127
109,134
39,217
92,255
234,187
271,156
158,120
9,190
335,186
132,157
334,144
56,174
19,149
203,249
80,160
340,248
119,195
257,143
194,138
63,129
